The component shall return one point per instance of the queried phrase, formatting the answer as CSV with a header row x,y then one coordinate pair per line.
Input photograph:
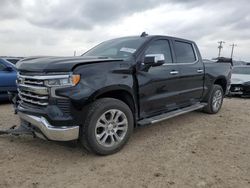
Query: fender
x,y
115,89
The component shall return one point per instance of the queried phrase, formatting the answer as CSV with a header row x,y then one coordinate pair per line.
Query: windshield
x,y
241,70
117,48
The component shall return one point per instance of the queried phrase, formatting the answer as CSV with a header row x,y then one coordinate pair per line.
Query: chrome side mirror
x,y
154,59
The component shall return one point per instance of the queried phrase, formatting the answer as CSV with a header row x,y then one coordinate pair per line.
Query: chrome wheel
x,y
217,100
111,128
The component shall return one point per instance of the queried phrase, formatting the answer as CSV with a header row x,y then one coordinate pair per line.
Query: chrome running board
x,y
168,115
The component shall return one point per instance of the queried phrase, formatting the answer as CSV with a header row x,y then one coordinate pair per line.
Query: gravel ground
x,y
193,150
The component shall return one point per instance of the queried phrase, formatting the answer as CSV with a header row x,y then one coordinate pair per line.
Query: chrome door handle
x,y
200,71
174,72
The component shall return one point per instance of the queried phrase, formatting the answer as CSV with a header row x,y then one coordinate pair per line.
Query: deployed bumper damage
x,y
40,127
43,129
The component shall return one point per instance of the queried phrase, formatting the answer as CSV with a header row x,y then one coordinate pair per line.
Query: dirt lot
x,y
193,150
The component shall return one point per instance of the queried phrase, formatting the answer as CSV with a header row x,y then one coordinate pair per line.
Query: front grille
x,y
32,90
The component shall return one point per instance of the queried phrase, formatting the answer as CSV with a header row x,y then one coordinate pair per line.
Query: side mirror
x,y
8,69
154,60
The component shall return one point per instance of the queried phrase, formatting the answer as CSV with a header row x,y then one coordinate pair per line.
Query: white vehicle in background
x,y
240,81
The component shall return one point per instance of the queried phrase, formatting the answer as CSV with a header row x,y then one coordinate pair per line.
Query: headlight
x,y
70,80
237,89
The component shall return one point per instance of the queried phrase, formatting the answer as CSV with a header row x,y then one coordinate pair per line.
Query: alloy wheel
x,y
111,128
217,100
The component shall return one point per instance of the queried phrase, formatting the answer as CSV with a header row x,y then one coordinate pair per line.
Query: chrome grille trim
x,y
33,101
32,95
33,82
47,77
34,89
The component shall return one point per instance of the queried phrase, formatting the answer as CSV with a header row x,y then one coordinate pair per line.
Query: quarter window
x,y
160,47
184,52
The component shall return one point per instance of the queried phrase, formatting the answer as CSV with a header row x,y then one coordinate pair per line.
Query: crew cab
x,y
99,97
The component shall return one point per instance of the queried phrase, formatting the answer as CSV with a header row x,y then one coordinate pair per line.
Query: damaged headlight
x,y
70,80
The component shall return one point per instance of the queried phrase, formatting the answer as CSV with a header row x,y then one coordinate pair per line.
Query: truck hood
x,y
240,78
58,64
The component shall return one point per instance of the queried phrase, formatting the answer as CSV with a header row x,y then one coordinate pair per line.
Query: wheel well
x,y
122,95
222,82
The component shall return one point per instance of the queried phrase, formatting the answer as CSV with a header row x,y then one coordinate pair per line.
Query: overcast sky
x,y
58,27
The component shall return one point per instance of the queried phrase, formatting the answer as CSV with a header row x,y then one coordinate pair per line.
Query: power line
x,y
220,47
232,52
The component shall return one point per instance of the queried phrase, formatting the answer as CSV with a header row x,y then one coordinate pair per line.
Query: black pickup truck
x,y
122,83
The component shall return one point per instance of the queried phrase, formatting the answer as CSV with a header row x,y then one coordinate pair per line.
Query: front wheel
x,y
215,100
107,127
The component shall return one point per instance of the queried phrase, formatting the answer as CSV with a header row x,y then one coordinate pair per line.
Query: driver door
x,y
158,85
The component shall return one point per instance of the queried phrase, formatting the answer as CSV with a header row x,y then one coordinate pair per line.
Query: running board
x,y
171,114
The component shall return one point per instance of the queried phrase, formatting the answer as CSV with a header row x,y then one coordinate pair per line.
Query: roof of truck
x,y
149,37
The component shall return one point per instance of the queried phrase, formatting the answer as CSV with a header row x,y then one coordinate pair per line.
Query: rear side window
x,y
184,52
160,47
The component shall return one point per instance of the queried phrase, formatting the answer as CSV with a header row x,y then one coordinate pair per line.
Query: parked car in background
x,y
240,82
8,77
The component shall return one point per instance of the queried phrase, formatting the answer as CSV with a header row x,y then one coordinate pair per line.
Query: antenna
x,y
144,34
232,52
220,47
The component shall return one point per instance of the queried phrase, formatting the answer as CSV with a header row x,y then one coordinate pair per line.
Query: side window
x,y
184,52
160,47
2,66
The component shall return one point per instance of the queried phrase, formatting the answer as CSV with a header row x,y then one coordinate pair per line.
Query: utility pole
x,y
232,52
220,47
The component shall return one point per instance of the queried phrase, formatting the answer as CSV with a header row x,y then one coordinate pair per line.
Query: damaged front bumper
x,y
43,129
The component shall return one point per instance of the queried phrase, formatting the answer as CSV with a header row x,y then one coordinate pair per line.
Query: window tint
x,y
160,47
2,66
184,52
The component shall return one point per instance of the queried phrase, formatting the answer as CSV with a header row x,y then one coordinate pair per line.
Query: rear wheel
x,y
107,127
215,100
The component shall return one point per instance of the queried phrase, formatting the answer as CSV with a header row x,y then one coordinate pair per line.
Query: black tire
x,y
210,108
88,136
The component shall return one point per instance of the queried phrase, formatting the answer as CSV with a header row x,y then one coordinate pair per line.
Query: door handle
x,y
200,71
174,72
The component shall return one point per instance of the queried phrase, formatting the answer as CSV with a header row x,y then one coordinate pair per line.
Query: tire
x,y
215,100
108,125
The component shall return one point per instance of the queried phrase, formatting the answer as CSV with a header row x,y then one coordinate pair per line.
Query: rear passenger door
x,y
191,72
